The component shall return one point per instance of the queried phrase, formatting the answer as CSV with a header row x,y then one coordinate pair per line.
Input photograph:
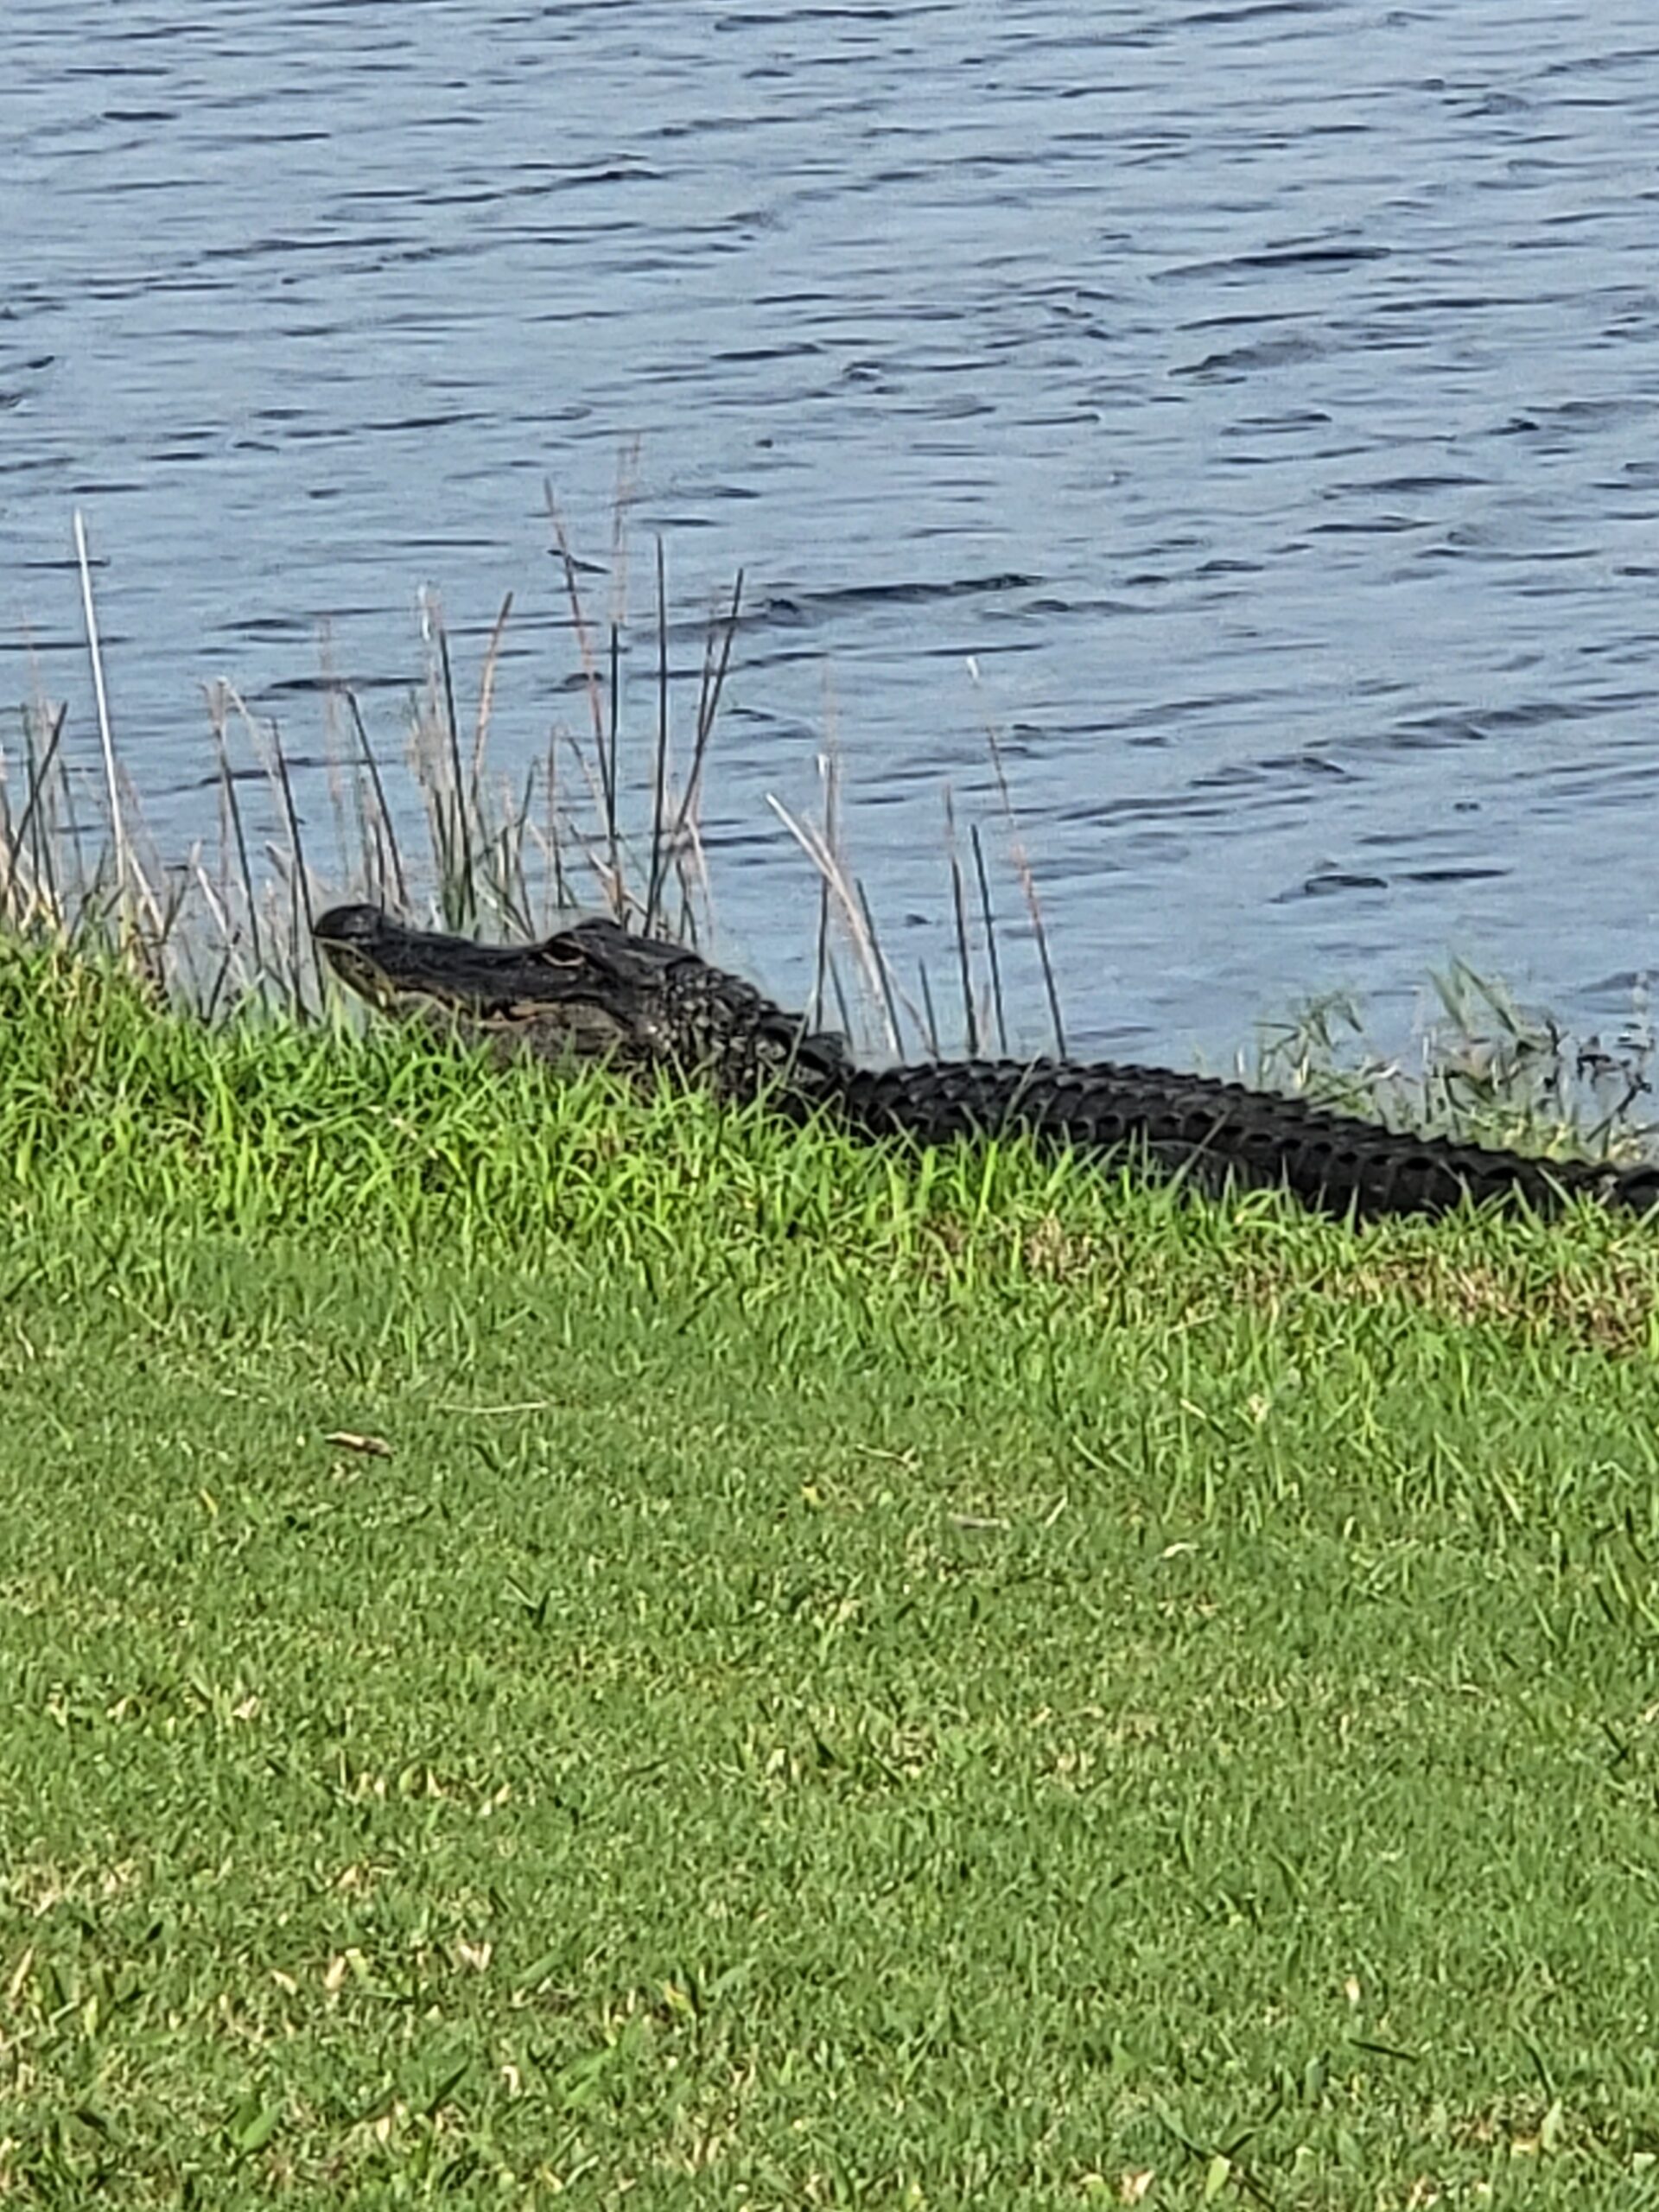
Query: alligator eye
x,y
557,953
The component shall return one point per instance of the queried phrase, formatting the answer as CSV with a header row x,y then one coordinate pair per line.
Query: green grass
x,y
560,1646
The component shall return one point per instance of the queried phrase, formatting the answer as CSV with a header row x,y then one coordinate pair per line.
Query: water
x,y
1263,395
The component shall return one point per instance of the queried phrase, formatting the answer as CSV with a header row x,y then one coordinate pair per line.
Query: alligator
x,y
596,991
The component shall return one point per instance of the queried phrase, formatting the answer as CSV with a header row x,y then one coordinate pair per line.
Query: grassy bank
x,y
556,1645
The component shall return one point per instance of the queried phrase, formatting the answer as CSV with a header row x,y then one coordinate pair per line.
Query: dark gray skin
x,y
597,991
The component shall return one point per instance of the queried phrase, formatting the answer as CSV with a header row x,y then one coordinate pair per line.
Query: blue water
x,y
1260,398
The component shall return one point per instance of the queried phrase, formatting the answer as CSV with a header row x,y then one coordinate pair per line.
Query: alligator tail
x,y
1218,1134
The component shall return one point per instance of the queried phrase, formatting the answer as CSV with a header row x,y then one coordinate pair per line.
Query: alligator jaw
x,y
584,991
595,991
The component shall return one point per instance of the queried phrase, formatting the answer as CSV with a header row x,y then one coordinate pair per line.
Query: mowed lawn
x,y
554,1647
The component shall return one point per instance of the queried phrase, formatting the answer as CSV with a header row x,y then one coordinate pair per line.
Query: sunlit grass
x,y
557,1644
562,1644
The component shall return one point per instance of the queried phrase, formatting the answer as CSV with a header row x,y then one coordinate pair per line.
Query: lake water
x,y
1262,398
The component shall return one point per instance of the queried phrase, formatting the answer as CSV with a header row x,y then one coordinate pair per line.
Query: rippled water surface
x,y
1264,396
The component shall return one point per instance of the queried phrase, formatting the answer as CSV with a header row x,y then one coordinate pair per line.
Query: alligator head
x,y
595,991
